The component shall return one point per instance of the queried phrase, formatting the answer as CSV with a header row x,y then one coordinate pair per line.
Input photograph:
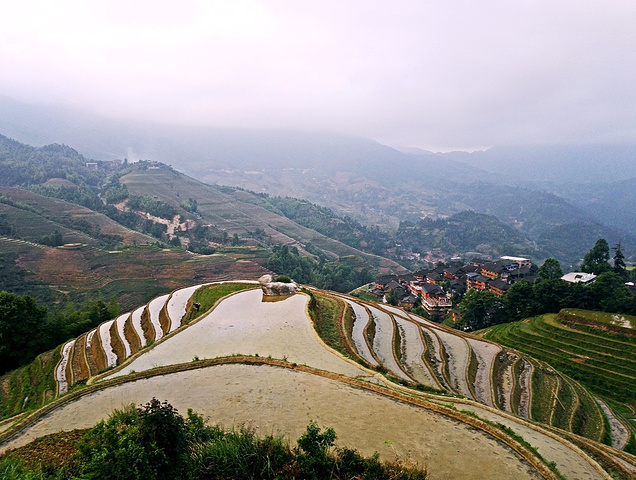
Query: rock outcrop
x,y
275,289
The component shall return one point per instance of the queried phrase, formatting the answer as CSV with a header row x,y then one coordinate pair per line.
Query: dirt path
x,y
276,400
620,433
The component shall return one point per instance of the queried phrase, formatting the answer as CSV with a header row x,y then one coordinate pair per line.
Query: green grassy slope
x,y
237,211
604,362
35,216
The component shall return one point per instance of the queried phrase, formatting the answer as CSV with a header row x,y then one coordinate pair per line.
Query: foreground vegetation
x,y
155,442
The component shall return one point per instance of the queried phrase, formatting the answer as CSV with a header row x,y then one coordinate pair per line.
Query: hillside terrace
x,y
434,287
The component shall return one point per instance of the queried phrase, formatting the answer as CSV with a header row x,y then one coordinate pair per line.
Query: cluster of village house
x,y
425,286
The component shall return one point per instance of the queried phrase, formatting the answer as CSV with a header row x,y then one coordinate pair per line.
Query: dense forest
x,y
28,329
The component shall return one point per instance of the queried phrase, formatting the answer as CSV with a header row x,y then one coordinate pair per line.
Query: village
x,y
434,289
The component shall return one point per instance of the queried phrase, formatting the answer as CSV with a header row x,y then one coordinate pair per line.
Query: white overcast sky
x,y
434,74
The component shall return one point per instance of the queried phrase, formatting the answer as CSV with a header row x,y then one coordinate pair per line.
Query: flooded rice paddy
x,y
154,307
104,333
60,371
458,355
136,323
383,342
485,353
119,322
277,400
359,324
177,305
412,352
244,324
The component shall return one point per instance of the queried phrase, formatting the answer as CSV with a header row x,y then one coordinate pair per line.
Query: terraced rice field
x,y
606,363
154,308
603,361
359,325
479,370
109,345
244,324
384,342
315,382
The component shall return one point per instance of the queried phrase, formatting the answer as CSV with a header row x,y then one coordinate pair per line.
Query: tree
x,y
519,301
391,297
550,270
619,261
147,442
597,259
549,295
22,325
611,293
480,309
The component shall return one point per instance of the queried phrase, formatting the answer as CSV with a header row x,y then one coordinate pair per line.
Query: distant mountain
x,y
369,182
612,203
555,164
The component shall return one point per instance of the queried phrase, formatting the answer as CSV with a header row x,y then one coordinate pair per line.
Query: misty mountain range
x,y
551,194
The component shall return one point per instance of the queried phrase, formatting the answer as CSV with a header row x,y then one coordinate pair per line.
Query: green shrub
x,y
155,442
283,279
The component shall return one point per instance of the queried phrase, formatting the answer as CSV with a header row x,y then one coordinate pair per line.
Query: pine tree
x,y
619,260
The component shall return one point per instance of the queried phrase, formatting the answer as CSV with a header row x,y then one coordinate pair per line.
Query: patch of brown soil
x,y
116,343
131,336
147,326
164,320
56,451
78,360
97,352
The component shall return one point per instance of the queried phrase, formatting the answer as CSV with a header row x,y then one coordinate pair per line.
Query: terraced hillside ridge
x,y
104,347
263,364
240,212
595,348
429,355
133,274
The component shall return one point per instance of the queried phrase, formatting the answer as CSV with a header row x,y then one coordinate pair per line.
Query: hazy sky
x,y
434,74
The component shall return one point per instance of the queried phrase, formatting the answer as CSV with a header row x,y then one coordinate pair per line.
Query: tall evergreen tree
x,y
619,260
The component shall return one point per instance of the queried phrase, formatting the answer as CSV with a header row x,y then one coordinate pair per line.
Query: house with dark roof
x,y
451,273
408,301
476,281
498,287
384,280
434,277
494,270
